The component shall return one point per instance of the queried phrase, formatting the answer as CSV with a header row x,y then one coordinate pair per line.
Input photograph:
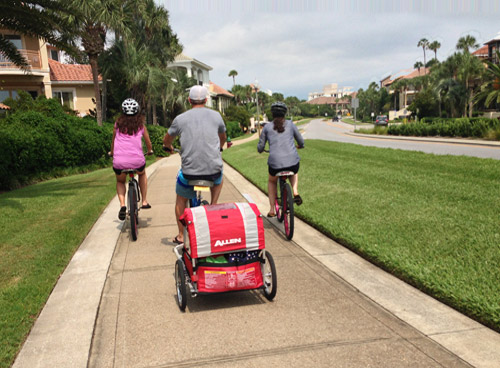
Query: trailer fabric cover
x,y
223,228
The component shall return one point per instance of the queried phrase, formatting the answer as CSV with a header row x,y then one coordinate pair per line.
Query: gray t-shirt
x,y
199,131
282,150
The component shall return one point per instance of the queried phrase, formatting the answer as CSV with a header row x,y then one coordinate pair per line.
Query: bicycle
x,y
283,205
199,186
133,199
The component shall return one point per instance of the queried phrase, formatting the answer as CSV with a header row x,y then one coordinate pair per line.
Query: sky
x,y
296,47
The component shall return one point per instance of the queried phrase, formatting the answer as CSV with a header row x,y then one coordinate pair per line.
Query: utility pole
x,y
257,101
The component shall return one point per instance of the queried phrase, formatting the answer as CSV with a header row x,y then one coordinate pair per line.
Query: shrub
x,y
447,127
233,129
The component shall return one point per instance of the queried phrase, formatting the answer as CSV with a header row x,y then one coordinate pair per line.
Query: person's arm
x,y
222,138
298,137
167,142
149,146
262,141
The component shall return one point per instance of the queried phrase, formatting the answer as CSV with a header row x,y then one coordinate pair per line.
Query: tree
x,y
418,65
424,43
490,89
434,46
233,73
41,19
466,43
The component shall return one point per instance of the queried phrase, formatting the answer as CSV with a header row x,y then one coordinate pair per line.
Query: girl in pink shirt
x,y
126,149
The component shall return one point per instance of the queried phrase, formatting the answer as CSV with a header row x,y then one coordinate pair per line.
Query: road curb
x,y
424,139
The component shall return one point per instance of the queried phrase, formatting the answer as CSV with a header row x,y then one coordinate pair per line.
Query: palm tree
x,y
434,46
490,90
50,26
467,42
90,21
233,73
424,43
418,65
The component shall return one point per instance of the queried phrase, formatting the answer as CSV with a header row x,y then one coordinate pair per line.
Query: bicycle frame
x,y
284,203
133,199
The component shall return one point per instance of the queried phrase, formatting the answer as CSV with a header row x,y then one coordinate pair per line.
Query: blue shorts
x,y
185,190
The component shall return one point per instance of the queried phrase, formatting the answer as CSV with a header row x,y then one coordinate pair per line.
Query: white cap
x,y
198,93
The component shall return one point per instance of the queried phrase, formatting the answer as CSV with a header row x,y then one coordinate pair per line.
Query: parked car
x,y
381,120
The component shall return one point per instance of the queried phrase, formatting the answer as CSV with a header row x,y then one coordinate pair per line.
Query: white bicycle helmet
x,y
130,107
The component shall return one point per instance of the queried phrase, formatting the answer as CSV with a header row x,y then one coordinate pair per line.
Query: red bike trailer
x,y
223,251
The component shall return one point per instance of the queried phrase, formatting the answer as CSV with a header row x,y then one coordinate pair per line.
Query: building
x,y
72,84
493,47
406,93
220,98
331,90
339,104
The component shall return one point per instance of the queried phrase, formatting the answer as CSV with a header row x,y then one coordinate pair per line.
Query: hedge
x,y
35,144
461,127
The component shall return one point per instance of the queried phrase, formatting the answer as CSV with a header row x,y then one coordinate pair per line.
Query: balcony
x,y
33,58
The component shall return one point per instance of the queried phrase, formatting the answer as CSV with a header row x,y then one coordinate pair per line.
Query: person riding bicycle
x,y
202,135
126,149
283,155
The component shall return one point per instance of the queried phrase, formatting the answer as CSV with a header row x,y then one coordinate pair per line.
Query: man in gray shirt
x,y
202,135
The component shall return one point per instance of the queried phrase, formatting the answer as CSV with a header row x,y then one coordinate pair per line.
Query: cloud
x,y
296,49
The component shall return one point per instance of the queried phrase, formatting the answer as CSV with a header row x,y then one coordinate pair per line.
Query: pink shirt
x,y
127,153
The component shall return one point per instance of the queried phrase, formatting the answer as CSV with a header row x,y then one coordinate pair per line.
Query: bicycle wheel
x,y
269,276
279,199
133,211
180,285
288,211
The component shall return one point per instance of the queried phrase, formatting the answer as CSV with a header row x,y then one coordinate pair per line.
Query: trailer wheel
x,y
180,285
269,276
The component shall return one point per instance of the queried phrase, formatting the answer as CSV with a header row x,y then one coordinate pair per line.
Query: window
x,y
4,95
66,98
15,39
54,55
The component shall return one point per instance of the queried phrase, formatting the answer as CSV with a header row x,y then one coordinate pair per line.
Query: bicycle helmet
x,y
130,107
279,109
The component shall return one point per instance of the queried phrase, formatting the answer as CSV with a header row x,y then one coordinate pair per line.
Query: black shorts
x,y
294,168
119,171
212,177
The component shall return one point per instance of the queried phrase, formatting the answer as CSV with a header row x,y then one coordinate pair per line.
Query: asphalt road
x,y
342,132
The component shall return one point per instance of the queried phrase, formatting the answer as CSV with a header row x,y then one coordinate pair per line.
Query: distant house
x,y
193,68
493,47
331,90
482,52
220,97
339,104
72,84
407,94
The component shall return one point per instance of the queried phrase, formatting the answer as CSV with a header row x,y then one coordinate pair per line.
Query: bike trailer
x,y
221,247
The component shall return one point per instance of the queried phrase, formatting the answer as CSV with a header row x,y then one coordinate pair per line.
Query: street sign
x,y
355,103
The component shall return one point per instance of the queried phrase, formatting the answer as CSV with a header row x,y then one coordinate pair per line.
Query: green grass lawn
x,y
41,227
431,220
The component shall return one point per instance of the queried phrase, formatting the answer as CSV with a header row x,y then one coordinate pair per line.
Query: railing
x,y
33,58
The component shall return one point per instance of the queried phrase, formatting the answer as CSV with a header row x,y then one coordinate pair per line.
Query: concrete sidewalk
x,y
115,304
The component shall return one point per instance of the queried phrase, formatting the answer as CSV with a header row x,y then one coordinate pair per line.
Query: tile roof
x,y
417,73
4,107
218,90
70,72
481,51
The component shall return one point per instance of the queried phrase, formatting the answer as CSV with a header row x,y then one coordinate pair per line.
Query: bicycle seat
x,y
285,173
201,183
129,171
